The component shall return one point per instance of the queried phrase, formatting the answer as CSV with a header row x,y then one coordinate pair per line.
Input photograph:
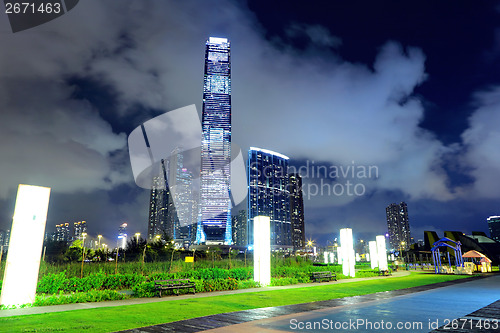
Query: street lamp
x,y
401,250
83,253
137,234
99,236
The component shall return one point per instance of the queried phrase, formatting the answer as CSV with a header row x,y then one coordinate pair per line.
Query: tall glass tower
x,y
214,225
398,226
269,195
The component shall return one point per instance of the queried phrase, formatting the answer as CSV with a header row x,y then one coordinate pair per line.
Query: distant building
x,y
494,226
297,211
79,228
183,215
6,240
398,226
240,228
122,236
269,195
62,233
159,203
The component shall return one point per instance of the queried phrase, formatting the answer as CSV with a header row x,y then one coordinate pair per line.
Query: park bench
x,y
327,275
174,285
384,273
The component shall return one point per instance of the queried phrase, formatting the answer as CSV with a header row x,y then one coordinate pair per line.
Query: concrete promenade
x,y
421,309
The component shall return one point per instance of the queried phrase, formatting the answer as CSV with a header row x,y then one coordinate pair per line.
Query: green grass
x,y
132,316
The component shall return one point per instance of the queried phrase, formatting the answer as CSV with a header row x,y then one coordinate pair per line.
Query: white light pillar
x,y
25,245
339,255
372,245
332,258
262,250
348,258
382,253
325,257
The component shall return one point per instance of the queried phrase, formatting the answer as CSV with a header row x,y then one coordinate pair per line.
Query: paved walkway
x,y
419,309
81,306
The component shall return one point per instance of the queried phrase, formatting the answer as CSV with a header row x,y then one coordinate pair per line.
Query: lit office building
x,y
214,225
180,182
122,236
494,226
398,226
297,211
269,195
240,228
159,204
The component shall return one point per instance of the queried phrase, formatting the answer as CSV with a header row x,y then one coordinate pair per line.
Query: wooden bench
x,y
174,285
327,275
384,273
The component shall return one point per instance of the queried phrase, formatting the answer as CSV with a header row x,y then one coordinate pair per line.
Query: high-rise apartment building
x,y
62,232
240,228
214,225
79,228
159,203
398,226
269,195
6,240
297,211
494,226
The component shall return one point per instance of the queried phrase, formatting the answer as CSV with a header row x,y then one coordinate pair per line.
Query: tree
x,y
55,250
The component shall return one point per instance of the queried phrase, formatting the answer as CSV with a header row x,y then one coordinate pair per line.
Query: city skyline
x,y
410,89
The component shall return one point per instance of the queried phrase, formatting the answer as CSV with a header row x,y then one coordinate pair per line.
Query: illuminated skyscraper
x,y
62,232
159,203
79,228
269,195
122,236
494,226
214,225
180,181
398,226
297,211
240,228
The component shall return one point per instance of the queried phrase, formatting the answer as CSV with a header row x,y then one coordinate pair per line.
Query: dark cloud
x,y
148,55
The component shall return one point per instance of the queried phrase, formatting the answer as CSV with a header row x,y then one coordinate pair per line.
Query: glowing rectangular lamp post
x,y
382,253
348,258
25,246
372,245
262,250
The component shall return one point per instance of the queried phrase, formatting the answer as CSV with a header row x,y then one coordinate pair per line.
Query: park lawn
x,y
111,319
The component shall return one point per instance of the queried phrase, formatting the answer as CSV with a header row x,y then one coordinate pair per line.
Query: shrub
x,y
283,281
81,297
219,285
51,283
144,289
246,284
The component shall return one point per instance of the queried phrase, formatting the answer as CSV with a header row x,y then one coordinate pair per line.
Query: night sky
x,y
408,88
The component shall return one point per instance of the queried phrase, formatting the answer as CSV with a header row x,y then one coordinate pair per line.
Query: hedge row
x,y
53,283
147,289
